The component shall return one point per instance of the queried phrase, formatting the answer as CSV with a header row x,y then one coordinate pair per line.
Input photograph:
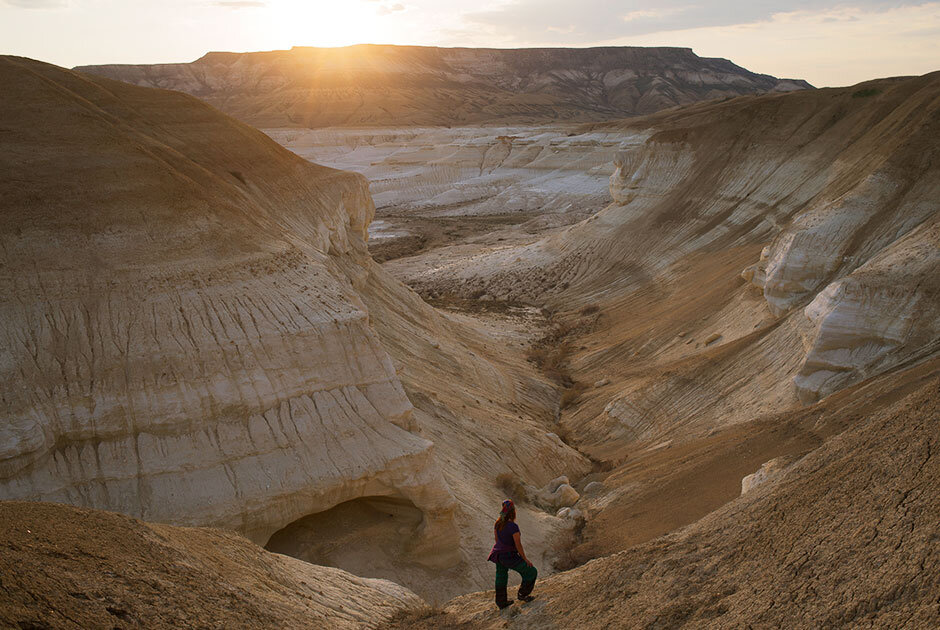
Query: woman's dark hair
x,y
508,513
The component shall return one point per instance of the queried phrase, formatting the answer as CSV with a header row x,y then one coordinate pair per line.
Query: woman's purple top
x,y
505,545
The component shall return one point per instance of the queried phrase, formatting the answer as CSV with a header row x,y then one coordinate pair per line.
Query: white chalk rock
x,y
555,483
885,312
769,471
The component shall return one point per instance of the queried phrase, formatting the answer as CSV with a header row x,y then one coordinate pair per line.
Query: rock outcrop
x,y
883,314
67,567
181,337
558,493
192,332
768,472
411,85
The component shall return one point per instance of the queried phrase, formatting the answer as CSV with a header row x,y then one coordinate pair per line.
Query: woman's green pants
x,y
502,573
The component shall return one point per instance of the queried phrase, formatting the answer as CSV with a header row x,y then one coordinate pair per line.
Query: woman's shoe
x,y
525,590
502,600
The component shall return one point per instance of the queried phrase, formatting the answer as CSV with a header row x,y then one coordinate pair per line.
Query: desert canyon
x,y
281,330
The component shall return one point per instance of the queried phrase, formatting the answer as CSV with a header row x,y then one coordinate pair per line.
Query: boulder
x,y
558,493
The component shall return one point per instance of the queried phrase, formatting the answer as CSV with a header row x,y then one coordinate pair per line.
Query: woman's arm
x,y
517,538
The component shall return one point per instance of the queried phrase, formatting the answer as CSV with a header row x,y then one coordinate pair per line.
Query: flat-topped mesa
x,y
415,85
181,337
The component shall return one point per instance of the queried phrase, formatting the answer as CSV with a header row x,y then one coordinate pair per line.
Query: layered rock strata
x,y
180,341
193,332
825,190
412,85
461,171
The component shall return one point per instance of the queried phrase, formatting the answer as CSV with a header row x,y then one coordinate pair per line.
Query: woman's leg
x,y
528,579
502,580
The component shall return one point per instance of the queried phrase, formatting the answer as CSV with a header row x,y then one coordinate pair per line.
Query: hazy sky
x,y
826,42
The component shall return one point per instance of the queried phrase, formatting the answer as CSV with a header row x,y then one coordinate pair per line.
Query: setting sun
x,y
323,24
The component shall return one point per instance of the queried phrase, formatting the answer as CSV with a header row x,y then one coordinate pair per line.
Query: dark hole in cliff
x,y
369,536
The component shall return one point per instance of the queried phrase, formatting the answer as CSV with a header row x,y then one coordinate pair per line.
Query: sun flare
x,y
304,23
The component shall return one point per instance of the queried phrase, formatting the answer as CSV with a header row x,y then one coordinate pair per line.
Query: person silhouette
x,y
507,554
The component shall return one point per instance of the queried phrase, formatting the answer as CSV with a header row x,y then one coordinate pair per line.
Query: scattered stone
x,y
594,487
558,493
602,382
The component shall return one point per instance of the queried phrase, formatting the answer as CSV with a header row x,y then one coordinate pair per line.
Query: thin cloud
x,y
564,22
38,4
240,4
387,9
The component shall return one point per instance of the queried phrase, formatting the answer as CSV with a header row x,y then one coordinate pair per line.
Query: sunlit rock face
x,y
412,85
180,335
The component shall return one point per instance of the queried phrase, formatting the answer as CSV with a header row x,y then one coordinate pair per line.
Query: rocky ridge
x,y
411,85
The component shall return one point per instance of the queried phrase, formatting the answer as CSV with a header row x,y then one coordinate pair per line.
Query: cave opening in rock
x,y
370,536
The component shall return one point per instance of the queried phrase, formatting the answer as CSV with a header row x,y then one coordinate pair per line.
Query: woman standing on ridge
x,y
508,554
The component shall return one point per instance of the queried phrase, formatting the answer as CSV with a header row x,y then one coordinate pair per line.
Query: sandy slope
x,y
686,373
66,567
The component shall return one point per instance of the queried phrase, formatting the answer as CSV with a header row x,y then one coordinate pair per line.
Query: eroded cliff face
x,y
880,316
467,171
194,333
412,85
828,195
181,337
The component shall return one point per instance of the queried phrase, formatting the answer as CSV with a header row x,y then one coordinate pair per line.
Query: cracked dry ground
x,y
848,538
